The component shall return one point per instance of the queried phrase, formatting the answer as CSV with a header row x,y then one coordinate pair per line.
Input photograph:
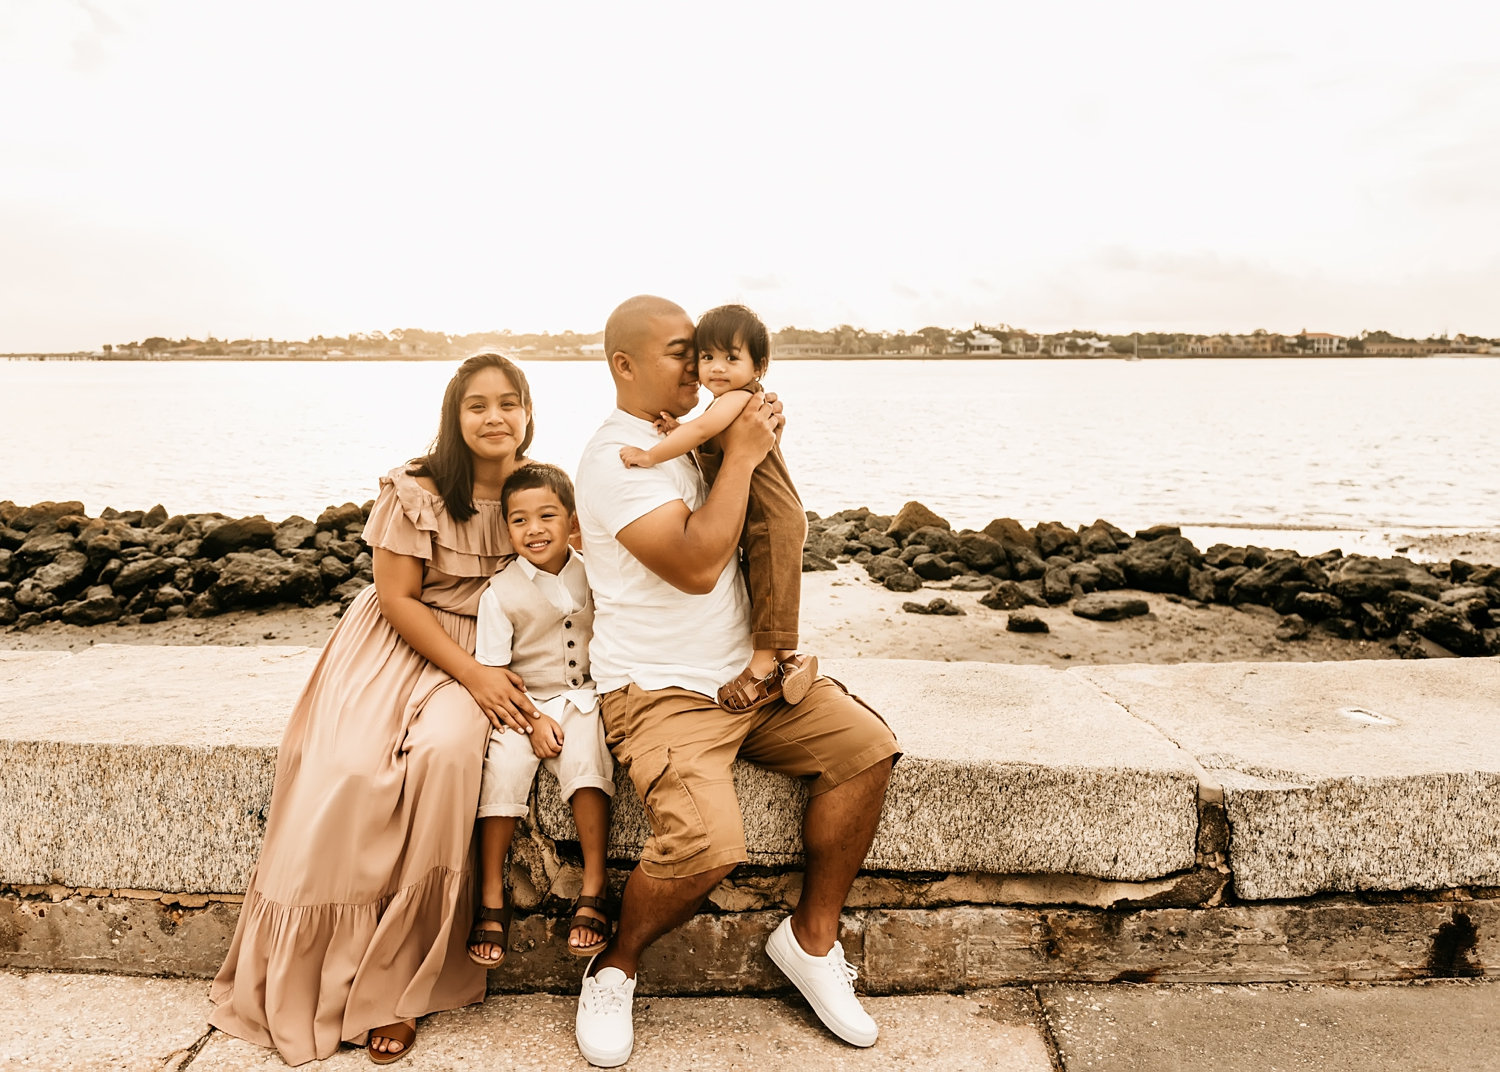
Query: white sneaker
x,y
604,1028
826,982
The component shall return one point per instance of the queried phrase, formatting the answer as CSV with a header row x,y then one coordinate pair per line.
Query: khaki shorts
x,y
679,747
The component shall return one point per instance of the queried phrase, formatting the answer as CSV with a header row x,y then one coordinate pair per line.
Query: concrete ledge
x,y
1338,776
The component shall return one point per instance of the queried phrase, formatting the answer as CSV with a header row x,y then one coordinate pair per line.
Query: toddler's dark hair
x,y
538,475
721,328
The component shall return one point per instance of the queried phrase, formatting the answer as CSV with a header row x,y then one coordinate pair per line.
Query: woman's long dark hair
x,y
448,461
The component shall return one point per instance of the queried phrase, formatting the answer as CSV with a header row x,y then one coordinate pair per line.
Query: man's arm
x,y
690,548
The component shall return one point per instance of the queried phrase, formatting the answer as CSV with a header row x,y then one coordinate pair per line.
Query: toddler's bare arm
x,y
720,415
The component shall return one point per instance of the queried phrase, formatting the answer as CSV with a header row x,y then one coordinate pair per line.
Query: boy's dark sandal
x,y
485,930
602,927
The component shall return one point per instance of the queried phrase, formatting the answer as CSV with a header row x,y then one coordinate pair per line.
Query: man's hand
x,y
547,741
755,431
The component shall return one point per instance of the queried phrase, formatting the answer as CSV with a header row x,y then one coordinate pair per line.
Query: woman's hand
x,y
501,695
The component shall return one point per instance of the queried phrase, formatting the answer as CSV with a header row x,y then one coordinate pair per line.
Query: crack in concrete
x,y
189,1055
1044,1024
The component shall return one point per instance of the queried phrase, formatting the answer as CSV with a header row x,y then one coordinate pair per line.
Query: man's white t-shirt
x,y
645,630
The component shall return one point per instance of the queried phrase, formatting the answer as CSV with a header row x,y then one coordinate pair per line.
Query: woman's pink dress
x,y
359,908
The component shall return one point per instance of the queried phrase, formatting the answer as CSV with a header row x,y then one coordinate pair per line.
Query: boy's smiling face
x,y
539,526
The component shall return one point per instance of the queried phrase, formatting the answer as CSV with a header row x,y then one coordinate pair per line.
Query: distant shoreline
x,y
323,359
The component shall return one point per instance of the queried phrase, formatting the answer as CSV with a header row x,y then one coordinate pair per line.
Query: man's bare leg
x,y
649,909
836,832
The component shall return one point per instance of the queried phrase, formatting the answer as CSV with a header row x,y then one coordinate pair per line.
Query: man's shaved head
x,y
628,323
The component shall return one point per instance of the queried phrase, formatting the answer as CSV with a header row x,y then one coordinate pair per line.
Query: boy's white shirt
x,y
568,591
647,632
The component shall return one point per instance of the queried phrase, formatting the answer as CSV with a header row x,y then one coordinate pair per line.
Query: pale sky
x,y
292,169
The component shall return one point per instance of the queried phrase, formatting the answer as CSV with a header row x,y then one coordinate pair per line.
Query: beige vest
x,y
550,649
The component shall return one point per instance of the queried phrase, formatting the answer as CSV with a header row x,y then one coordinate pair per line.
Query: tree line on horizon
x,y
844,340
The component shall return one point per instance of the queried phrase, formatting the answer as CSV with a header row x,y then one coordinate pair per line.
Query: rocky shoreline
x,y
141,567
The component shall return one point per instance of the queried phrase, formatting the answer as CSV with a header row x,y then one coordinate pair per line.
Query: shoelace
x,y
603,1000
844,973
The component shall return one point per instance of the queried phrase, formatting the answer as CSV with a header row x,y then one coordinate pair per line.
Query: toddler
x,y
536,616
734,350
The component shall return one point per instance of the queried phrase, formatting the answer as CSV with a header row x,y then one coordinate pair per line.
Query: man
x,y
671,626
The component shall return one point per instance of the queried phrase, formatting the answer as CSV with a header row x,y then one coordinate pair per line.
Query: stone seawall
x,y
1229,822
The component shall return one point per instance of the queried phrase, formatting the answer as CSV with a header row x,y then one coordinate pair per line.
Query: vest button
x,y
567,625
570,643
572,662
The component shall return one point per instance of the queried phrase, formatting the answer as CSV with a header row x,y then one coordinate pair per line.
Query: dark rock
x,y
932,568
1343,628
30,517
1452,630
1256,557
172,525
939,539
1111,571
910,518
1315,606
239,535
1025,620
1025,564
1401,603
167,596
1156,532
1293,627
877,541
880,567
1376,622
1085,576
905,581
1465,593
980,552
6,557
102,606
155,516
154,614
1278,582
823,544
348,590
937,606
31,596
971,583
65,575
1411,645
1110,606
1161,564
1008,595
1054,538
1096,539
337,517
362,563
811,562
100,549
1057,586
249,580
1009,532
912,551
9,612
293,533
1359,577
1488,576
349,549
1224,580
38,550
27,620
141,573
1201,585
204,605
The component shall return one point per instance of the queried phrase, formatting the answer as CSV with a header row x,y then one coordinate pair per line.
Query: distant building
x,y
1321,342
982,342
799,349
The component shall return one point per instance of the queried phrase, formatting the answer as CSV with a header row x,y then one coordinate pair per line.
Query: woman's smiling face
x,y
491,417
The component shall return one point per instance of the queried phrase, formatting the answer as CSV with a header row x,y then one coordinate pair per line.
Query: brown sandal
x,y
603,927
401,1032
798,672
748,693
483,933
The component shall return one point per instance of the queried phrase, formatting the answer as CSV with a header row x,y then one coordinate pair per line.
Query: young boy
x,y
536,616
734,350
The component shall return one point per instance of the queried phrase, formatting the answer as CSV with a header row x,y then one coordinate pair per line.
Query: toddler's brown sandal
x,y
798,672
486,931
748,693
604,928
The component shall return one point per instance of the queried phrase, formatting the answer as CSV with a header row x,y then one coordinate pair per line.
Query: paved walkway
x,y
84,1023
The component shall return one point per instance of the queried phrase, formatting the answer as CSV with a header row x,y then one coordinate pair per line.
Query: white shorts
x,y
510,765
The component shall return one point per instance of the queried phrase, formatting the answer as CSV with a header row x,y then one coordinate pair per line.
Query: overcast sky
x,y
293,169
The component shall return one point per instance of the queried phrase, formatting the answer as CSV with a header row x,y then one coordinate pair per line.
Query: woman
x,y
357,913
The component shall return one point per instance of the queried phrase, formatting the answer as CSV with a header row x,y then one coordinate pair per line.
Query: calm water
x,y
1354,445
